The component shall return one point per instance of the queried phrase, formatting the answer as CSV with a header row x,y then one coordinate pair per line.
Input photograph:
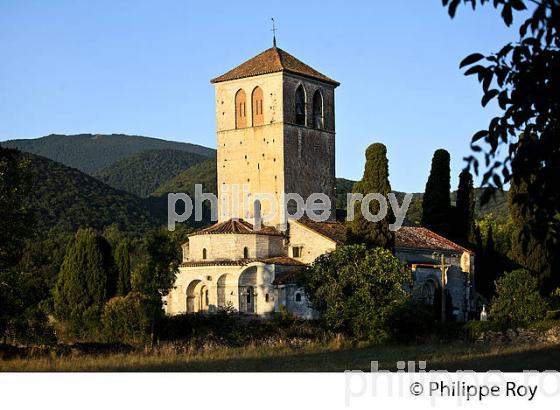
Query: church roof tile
x,y
417,237
237,226
270,61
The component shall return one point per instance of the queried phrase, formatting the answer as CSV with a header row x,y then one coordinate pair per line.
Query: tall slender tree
x,y
375,180
436,205
464,212
81,288
122,261
534,249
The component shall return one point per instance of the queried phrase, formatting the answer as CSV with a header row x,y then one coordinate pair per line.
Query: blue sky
x,y
143,67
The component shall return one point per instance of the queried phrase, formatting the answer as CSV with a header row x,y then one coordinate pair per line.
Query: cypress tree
x,y
81,288
464,220
528,249
374,180
122,261
436,205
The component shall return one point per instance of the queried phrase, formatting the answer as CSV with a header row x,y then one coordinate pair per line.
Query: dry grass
x,y
334,356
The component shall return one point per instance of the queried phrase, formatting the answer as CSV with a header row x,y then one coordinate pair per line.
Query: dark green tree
x,y
523,76
374,180
436,205
155,271
122,262
464,212
532,249
356,289
16,223
81,288
16,219
518,299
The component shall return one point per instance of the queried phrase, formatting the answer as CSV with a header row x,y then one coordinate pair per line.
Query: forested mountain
x,y
90,153
203,173
68,198
143,173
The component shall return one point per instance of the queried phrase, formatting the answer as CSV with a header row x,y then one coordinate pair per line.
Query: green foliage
x,y
533,249
143,173
122,262
355,289
16,219
157,265
16,222
83,281
66,197
522,143
375,180
410,321
493,247
552,315
518,299
127,319
203,173
464,210
474,328
91,153
436,204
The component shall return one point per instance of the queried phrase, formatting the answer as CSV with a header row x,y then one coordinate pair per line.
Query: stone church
x,y
275,121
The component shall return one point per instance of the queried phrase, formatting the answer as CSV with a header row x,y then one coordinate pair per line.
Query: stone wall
x,y
311,243
230,246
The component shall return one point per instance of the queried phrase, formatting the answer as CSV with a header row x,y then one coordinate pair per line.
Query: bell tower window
x,y
300,106
257,105
240,109
318,121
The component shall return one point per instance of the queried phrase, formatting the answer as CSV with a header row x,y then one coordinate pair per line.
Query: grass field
x,y
309,358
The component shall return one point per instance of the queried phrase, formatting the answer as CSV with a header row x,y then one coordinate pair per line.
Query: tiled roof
x,y
283,260
288,277
278,260
422,238
239,226
336,231
273,60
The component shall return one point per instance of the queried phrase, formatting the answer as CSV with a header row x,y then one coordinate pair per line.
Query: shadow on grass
x,y
437,357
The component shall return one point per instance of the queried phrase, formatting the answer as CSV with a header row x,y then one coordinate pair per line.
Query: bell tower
x,y
275,134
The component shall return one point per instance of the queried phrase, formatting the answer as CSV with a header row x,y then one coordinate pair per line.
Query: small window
x,y
257,104
245,253
204,253
206,298
240,109
266,298
298,297
300,106
318,110
296,251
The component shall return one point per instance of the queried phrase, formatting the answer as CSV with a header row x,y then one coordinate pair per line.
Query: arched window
x,y
204,253
240,109
318,110
257,104
298,297
245,253
300,106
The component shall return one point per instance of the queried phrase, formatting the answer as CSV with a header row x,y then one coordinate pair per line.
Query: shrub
x,y
127,319
355,289
411,321
517,298
474,328
552,315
